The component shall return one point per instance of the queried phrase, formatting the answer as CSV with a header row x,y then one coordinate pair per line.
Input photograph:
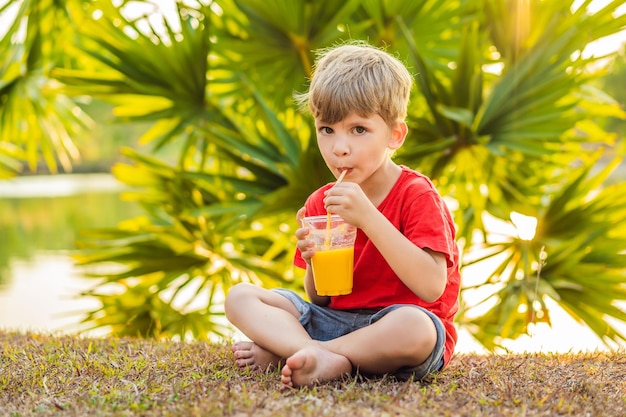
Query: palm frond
x,y
33,115
577,259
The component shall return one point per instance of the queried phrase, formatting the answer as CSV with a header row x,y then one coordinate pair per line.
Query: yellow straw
x,y
327,240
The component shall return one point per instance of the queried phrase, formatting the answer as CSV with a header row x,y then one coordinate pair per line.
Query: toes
x,y
242,350
245,363
286,381
243,354
244,345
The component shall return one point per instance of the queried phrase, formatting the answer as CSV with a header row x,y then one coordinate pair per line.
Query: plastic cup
x,y
333,262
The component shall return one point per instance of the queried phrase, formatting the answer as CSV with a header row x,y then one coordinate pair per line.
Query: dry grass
x,y
43,375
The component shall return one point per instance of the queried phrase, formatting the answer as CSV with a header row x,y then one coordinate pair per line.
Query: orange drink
x,y
332,271
333,262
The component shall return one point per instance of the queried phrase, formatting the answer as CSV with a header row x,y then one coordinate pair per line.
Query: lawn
x,y
50,375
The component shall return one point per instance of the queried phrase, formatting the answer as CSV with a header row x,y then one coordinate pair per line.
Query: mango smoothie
x,y
332,271
333,262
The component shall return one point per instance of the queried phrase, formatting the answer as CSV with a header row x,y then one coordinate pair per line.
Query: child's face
x,y
358,144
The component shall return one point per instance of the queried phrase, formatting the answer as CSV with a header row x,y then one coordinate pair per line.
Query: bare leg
x,y
403,337
269,320
383,347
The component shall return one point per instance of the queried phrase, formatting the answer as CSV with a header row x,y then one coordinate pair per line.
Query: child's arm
x,y
423,271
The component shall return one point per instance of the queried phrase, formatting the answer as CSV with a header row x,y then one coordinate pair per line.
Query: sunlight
x,y
608,44
526,225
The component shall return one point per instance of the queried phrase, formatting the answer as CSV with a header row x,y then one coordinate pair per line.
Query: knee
x,y
237,297
423,339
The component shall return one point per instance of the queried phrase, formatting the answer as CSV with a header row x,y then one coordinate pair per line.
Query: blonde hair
x,y
359,78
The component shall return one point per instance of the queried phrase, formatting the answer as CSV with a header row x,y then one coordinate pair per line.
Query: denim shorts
x,y
324,323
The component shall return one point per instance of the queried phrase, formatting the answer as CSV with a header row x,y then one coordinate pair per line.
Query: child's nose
x,y
341,147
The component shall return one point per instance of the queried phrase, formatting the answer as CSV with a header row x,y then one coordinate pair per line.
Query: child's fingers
x,y
300,215
302,233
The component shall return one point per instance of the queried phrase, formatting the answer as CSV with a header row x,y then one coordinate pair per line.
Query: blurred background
x,y
151,157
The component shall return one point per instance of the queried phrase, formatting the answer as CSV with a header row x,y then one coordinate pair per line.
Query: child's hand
x,y
348,200
306,246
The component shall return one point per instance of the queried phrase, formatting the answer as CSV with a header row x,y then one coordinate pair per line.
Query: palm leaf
x,y
277,39
585,264
33,116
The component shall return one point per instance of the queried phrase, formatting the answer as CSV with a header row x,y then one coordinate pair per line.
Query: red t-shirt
x,y
416,209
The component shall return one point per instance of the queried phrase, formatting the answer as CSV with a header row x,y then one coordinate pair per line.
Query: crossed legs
x,y
271,322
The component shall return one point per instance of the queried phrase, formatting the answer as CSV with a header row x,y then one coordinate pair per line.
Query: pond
x,y
41,216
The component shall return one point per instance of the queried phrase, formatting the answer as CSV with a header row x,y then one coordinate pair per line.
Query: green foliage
x,y
613,81
38,122
576,258
505,118
198,242
516,109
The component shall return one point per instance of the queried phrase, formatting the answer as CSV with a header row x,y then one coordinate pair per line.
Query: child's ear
x,y
398,134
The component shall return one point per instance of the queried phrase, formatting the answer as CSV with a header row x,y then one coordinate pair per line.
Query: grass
x,y
49,375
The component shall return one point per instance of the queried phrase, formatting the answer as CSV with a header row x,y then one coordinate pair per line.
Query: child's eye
x,y
359,130
325,130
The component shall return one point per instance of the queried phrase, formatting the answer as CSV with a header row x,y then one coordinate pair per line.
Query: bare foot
x,y
250,355
313,364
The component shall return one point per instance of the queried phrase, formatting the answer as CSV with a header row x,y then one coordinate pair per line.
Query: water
x,y
40,218
42,295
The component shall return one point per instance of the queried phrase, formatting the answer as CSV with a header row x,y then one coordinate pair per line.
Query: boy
x,y
399,317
